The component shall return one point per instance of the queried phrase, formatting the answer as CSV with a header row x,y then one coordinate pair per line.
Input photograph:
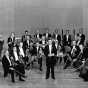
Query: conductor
x,y
50,52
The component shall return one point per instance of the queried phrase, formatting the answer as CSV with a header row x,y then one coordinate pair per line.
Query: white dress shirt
x,y
21,51
50,49
9,60
56,36
28,42
16,56
67,37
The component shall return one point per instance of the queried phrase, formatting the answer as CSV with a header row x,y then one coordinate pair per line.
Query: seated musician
x,y
10,42
84,67
21,52
59,51
39,51
20,68
43,42
32,51
7,65
75,52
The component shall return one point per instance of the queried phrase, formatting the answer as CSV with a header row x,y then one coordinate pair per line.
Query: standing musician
x,y
11,41
47,35
82,37
67,39
38,35
57,36
24,36
50,52
26,43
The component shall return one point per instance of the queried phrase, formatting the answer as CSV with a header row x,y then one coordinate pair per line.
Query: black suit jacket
x,y
82,39
6,65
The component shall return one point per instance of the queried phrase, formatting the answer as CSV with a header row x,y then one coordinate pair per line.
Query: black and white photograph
x,y
43,44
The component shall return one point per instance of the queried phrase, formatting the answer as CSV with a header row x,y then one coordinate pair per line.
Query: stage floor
x,y
36,79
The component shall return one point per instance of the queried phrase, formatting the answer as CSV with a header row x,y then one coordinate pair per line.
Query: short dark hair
x,y
26,31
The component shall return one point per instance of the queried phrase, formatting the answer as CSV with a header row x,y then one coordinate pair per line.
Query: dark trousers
x,y
6,71
50,67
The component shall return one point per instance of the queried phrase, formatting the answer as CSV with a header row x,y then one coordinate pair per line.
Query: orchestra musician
x,y
39,54
38,36
67,39
10,42
50,52
84,67
7,65
24,36
75,50
26,43
47,35
43,42
56,36
82,37
21,52
19,64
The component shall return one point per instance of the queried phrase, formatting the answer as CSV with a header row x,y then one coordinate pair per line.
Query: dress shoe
x,y
47,77
53,78
21,79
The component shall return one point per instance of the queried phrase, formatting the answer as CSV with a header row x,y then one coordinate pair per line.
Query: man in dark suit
x,y
57,36
26,43
7,66
82,38
38,36
24,36
84,67
47,35
67,39
50,52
